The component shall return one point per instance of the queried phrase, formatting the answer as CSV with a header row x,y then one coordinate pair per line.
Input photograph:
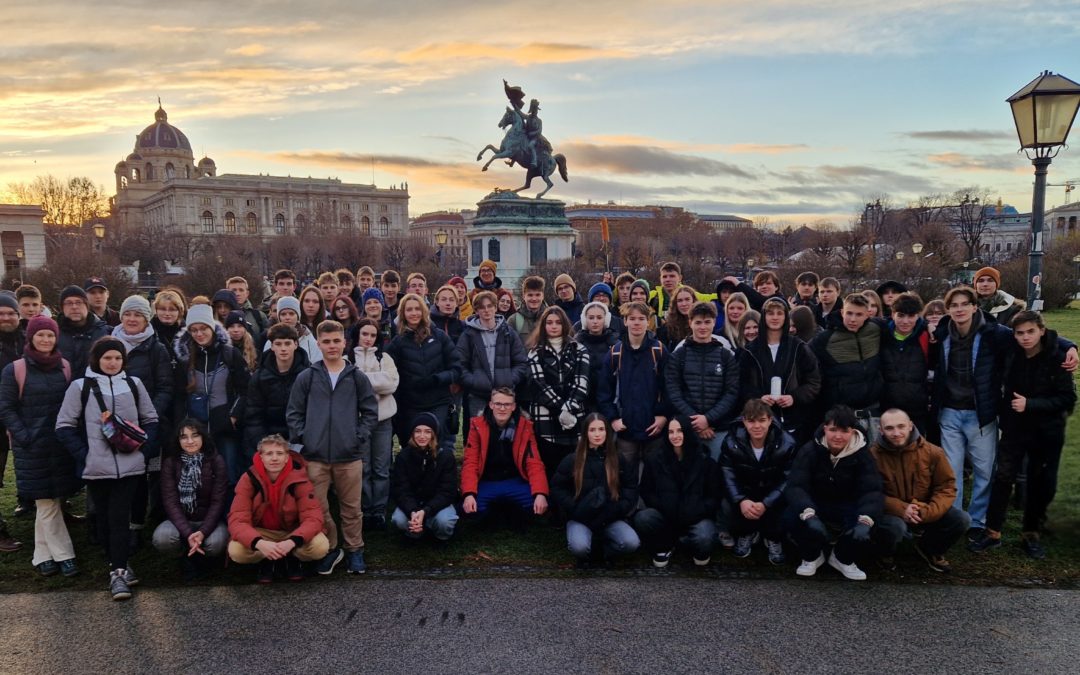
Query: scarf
x,y
44,361
133,341
555,344
271,517
190,480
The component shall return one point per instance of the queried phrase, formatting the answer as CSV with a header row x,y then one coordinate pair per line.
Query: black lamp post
x,y
1043,111
440,241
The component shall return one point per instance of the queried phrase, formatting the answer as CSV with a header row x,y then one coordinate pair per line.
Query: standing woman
x,y
383,375
112,476
44,469
147,359
559,368
734,308
428,363
168,319
596,490
194,490
344,312
747,329
676,327
211,384
312,308
506,303
598,338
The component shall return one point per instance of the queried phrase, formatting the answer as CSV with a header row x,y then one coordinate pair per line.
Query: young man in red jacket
x,y
502,462
275,515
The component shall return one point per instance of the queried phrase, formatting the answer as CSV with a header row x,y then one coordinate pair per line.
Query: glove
x,y
567,420
817,527
861,533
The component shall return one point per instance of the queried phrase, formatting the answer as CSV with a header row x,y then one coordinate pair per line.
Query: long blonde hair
x,y
731,332
423,327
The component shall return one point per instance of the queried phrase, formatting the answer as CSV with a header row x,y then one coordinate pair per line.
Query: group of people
x,y
636,417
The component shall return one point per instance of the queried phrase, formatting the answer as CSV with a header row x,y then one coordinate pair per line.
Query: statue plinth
x,y
518,233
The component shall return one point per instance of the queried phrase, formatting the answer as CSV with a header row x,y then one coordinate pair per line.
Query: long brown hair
x,y
611,456
677,325
423,328
539,336
312,324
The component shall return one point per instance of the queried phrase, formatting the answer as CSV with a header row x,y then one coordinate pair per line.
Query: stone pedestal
x,y
517,233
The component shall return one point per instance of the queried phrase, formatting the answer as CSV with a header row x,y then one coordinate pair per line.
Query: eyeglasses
x,y
502,405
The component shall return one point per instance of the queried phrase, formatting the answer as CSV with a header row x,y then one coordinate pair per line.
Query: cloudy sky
x,y
790,109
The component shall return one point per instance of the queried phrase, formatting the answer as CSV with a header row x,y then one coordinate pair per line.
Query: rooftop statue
x,y
524,143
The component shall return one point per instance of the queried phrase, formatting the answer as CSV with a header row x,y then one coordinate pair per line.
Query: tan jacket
x,y
917,473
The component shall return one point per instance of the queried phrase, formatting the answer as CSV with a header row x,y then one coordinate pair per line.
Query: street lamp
x,y
899,255
916,248
750,262
440,240
1043,112
19,253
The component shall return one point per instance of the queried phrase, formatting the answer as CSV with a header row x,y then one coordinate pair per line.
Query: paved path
x,y
546,625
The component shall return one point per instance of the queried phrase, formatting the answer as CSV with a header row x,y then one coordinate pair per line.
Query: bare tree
x,y
824,239
853,243
68,202
968,216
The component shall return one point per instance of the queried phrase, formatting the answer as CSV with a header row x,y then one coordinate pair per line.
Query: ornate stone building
x,y
160,186
22,239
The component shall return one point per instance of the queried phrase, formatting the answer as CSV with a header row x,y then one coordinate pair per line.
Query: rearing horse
x,y
516,148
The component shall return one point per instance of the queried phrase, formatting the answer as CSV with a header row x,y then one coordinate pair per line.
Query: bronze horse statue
x,y
516,148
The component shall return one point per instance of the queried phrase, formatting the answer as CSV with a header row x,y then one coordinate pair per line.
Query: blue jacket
x,y
630,385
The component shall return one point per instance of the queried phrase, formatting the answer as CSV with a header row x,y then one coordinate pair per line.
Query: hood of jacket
x,y
473,323
226,296
477,284
855,443
183,343
914,440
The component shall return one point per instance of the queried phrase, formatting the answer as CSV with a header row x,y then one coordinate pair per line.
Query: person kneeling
x,y
596,490
834,484
194,489
920,489
275,515
424,485
755,460
679,487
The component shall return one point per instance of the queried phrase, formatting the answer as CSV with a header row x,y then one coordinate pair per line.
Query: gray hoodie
x,y
333,423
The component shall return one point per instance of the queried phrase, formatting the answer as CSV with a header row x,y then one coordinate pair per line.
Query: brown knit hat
x,y
565,278
489,263
989,272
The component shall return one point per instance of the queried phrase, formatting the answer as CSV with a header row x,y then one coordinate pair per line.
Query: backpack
x,y
20,373
657,352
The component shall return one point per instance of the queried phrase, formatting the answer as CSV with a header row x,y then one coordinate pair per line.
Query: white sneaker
x,y
725,539
702,562
851,571
809,568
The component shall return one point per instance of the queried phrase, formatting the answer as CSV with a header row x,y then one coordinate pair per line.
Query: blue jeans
x,y
962,437
236,460
441,525
377,458
514,491
619,539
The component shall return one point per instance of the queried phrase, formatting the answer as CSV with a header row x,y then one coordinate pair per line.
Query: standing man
x,y
390,284
532,306
829,309
256,320
568,298
285,283
97,294
485,279
79,328
12,340
920,488
332,412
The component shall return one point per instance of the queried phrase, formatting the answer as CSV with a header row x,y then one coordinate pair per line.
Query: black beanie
x,y
428,420
106,344
9,301
73,291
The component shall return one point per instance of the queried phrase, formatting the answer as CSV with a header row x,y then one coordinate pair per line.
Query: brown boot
x,y
7,542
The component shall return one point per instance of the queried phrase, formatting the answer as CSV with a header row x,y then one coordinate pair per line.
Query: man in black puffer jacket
x,y
905,361
702,380
849,356
271,383
79,329
834,486
755,463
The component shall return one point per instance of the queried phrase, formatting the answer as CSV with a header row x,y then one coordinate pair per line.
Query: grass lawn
x,y
541,551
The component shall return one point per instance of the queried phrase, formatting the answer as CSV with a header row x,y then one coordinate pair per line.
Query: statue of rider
x,y
534,128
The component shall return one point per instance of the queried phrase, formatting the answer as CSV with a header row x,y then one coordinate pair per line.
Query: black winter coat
x,y
797,368
703,379
850,366
815,481
74,342
745,477
166,335
511,361
451,325
210,499
1049,388
44,469
150,362
905,368
268,398
427,370
598,347
594,508
420,481
685,491
232,366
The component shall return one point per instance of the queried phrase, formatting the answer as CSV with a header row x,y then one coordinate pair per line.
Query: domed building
x,y
160,186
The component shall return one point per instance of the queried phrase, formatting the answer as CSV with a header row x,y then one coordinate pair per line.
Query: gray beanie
x,y
200,314
289,302
136,303
8,300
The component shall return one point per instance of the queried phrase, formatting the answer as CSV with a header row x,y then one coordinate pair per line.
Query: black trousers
x,y
1041,445
113,498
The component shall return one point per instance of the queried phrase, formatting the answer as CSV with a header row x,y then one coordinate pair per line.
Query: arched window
x,y
365,226
170,171
384,228
135,175
230,223
252,224
123,182
346,223
300,223
1072,223
207,222
279,223
149,171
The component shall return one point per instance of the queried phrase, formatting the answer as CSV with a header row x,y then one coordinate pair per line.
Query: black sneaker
x,y
266,572
294,569
886,563
984,543
1033,548
68,567
25,511
938,563
47,568
118,587
975,533
660,559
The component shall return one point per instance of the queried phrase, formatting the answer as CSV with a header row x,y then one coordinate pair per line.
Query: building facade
x,y
1060,222
22,239
453,223
726,222
160,186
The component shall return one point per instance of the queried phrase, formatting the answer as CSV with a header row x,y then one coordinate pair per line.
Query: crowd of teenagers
x,y
836,427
